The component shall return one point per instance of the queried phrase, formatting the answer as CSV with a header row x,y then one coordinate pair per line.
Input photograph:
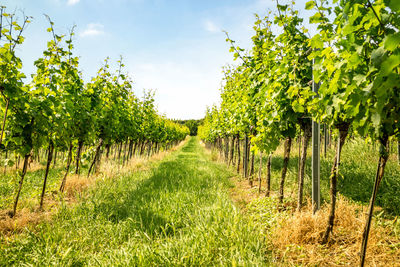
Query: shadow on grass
x,y
355,182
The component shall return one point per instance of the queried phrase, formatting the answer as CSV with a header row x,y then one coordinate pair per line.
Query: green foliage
x,y
191,124
267,95
57,106
359,66
356,56
57,109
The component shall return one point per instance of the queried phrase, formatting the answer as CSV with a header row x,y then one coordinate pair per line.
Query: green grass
x,y
32,187
178,213
358,174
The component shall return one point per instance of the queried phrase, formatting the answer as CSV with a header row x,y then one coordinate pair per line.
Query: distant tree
x,y
191,124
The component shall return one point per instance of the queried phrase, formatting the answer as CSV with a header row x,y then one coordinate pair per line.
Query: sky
x,y
175,47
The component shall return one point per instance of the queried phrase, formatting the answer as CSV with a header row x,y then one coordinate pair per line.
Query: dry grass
x,y
33,166
242,193
25,218
112,169
30,215
109,169
297,239
76,184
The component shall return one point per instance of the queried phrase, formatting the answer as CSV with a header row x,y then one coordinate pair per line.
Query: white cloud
x,y
92,29
72,2
182,89
211,26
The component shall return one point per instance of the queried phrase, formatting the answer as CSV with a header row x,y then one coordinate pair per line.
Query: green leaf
x,y
394,5
389,64
392,41
376,55
316,42
376,119
282,7
359,78
315,18
310,5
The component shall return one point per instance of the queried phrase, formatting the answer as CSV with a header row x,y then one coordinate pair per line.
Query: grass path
x,y
177,213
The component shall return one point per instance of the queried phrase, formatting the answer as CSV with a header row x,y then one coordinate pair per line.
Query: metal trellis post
x,y
315,162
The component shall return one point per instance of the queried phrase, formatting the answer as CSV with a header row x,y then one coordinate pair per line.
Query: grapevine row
x,y
59,111
354,56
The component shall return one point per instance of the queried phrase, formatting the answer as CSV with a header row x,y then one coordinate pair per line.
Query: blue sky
x,y
175,47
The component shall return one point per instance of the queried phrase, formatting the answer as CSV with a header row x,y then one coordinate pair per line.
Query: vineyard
x,y
298,164
345,77
58,114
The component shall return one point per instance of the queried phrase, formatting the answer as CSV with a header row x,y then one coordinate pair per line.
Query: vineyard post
x,y
398,150
268,181
238,151
325,139
315,162
245,156
259,173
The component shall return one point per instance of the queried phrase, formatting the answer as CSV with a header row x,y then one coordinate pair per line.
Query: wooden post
x,y
398,150
325,139
245,156
259,173
315,162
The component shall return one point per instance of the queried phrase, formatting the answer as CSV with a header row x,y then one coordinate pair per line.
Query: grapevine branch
x,y
20,32
377,17
236,50
1,19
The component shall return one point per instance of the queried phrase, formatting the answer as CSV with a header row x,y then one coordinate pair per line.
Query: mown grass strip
x,y
177,213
